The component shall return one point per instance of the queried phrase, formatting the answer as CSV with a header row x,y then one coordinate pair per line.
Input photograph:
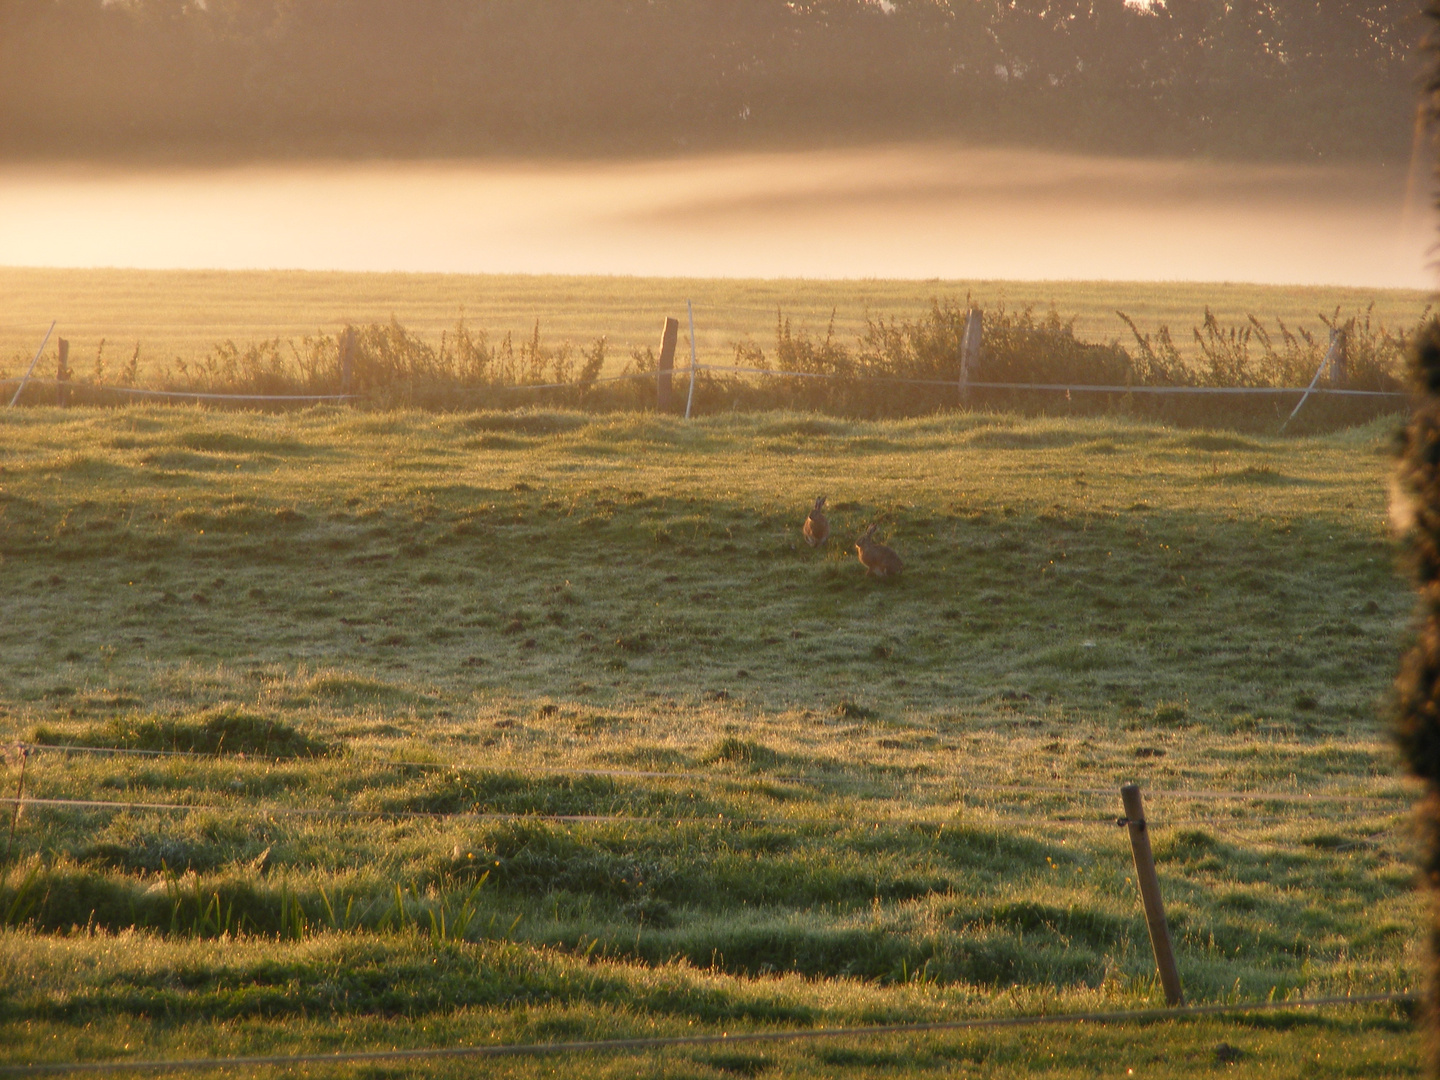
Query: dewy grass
x,y
807,797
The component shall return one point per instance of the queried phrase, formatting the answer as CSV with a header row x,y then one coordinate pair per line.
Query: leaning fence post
x,y
62,373
1333,355
1150,893
666,363
31,369
970,342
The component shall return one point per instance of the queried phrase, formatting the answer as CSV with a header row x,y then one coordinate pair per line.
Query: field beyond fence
x,y
1248,374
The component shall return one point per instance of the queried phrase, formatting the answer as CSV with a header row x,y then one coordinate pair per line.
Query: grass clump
x,y
745,752
219,731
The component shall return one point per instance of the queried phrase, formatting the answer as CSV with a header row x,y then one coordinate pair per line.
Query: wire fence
x,y
652,1045
973,784
198,395
725,1038
718,820
264,811
687,373
1065,388
186,394
956,813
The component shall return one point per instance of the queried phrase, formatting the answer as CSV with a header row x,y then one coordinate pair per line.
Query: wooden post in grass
x,y
1336,357
347,358
666,364
1150,893
62,373
970,343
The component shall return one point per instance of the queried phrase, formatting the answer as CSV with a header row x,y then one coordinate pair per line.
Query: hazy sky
x,y
914,211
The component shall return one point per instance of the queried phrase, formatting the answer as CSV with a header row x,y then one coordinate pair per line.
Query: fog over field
x,y
916,210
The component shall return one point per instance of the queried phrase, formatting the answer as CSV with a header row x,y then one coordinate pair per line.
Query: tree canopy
x,y
1326,79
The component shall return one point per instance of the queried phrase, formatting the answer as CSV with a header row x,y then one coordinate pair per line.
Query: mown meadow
x,y
1244,375
159,317
543,725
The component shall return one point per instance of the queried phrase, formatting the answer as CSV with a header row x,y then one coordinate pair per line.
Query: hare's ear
x,y
820,503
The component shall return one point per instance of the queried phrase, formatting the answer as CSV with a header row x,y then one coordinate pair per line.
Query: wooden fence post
x,y
1337,357
666,364
970,343
1149,884
347,358
62,373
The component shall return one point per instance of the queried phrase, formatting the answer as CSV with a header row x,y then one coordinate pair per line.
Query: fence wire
x,y
685,373
956,384
970,787
739,1038
717,820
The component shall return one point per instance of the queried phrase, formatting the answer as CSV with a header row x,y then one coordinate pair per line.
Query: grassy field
x,y
184,313
797,797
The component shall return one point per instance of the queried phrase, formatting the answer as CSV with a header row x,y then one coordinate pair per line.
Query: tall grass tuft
x,y
62,895
218,731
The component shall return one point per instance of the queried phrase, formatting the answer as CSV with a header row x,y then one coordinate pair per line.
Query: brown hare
x,y
877,559
817,525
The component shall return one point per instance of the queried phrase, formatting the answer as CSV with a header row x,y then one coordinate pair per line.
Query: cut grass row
x,y
185,314
856,817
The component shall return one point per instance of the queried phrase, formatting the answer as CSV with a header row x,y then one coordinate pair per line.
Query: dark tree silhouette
x,y
1415,514
1416,510
1285,78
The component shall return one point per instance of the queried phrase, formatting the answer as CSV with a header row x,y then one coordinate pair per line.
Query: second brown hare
x,y
878,560
817,525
